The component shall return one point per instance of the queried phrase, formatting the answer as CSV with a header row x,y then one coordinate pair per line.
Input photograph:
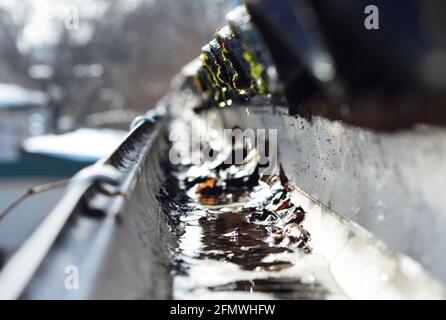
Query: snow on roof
x,y
13,96
83,144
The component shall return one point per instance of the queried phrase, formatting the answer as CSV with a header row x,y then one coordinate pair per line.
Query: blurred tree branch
x,y
139,48
13,62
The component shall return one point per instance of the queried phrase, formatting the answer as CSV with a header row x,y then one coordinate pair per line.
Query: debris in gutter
x,y
209,187
266,199
226,214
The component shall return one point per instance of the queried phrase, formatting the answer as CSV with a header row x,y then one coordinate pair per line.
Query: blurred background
x,y
73,74
101,55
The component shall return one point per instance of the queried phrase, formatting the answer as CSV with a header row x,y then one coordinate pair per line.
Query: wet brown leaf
x,y
209,187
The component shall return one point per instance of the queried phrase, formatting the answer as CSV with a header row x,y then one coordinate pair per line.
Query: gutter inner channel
x,y
239,234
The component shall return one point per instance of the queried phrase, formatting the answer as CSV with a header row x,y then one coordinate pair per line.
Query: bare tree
x,y
140,49
144,48
13,63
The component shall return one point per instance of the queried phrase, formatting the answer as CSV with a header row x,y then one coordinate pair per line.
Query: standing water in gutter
x,y
238,233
